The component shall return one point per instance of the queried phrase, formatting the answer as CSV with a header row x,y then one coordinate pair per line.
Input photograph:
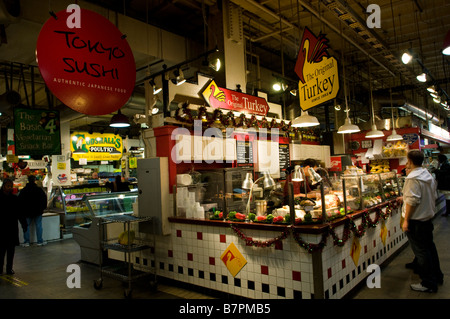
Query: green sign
x,y
37,132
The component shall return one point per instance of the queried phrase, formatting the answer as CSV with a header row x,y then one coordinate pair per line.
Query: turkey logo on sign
x,y
90,68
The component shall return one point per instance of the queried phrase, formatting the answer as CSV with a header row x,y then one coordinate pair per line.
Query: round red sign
x,y
90,69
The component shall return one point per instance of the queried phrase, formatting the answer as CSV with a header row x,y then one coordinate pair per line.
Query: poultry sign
x,y
317,70
222,98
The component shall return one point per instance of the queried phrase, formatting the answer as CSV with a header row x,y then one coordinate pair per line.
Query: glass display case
x,y
216,190
68,201
105,205
86,228
390,183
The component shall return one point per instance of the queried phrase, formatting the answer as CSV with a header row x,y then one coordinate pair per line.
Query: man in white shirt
x,y
419,197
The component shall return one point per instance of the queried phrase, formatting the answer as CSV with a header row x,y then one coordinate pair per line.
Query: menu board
x,y
284,159
244,151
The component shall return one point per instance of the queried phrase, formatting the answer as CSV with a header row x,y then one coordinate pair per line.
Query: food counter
x,y
284,258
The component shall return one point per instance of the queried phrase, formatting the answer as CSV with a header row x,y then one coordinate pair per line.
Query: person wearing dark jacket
x,y
33,200
118,185
10,215
442,174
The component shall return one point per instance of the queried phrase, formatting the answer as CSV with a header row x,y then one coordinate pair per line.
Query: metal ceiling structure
x,y
272,32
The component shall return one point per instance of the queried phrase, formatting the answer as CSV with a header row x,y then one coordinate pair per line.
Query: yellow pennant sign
x,y
317,70
233,259
383,233
355,251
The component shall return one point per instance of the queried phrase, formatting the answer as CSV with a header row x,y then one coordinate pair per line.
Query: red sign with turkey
x,y
222,98
89,67
317,70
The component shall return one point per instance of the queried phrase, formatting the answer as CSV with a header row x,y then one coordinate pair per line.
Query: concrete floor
x,y
41,273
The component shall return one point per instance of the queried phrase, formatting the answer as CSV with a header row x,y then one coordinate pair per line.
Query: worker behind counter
x,y
118,185
299,187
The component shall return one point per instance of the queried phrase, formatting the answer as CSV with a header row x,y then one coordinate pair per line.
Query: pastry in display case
x,y
371,190
390,185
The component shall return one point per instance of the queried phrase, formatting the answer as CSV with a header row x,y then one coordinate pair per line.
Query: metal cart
x,y
124,271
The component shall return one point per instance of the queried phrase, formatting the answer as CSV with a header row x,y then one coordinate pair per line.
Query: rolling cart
x,y
124,270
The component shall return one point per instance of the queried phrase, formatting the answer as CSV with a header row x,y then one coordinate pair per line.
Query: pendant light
x,y
374,133
305,120
446,49
394,136
348,127
119,120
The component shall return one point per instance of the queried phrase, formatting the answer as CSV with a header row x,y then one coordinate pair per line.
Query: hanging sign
x,y
89,67
317,70
96,147
36,132
222,98
233,259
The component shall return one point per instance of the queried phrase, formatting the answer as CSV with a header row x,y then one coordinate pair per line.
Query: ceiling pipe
x,y
319,17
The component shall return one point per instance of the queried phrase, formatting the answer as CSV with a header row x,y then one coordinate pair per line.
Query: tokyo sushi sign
x,y
86,61
317,70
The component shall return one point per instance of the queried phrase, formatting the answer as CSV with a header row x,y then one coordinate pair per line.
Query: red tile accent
x,y
199,235
223,238
264,270
178,232
296,275
329,273
389,233
365,249
170,253
395,229
212,261
279,245
190,257
374,243
343,263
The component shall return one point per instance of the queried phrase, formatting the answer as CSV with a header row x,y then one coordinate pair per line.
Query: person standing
x,y
33,200
10,215
419,196
443,180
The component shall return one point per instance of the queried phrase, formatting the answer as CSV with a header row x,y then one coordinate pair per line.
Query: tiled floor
x,y
41,272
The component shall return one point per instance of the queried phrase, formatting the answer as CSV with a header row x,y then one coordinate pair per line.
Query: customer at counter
x,y
118,185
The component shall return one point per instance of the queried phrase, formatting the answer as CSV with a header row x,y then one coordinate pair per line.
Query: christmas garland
x,y
184,114
349,227
256,243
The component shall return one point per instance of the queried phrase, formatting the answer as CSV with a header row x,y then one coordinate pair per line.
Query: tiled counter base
x,y
286,268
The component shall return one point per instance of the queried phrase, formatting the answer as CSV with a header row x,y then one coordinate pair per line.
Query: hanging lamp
x,y
305,120
374,133
347,127
119,120
394,136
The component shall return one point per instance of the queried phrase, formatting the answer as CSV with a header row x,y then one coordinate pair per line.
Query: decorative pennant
x,y
383,233
355,251
233,259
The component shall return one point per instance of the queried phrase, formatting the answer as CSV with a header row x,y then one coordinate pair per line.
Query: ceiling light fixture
x,y
215,64
431,89
422,77
374,133
119,120
179,77
305,120
406,57
446,49
394,136
156,89
293,92
347,127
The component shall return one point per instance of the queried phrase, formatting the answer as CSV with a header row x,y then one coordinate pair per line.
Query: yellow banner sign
x,y
96,146
233,259
317,70
355,251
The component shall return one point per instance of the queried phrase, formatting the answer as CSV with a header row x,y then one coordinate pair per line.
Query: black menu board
x,y
284,159
244,152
